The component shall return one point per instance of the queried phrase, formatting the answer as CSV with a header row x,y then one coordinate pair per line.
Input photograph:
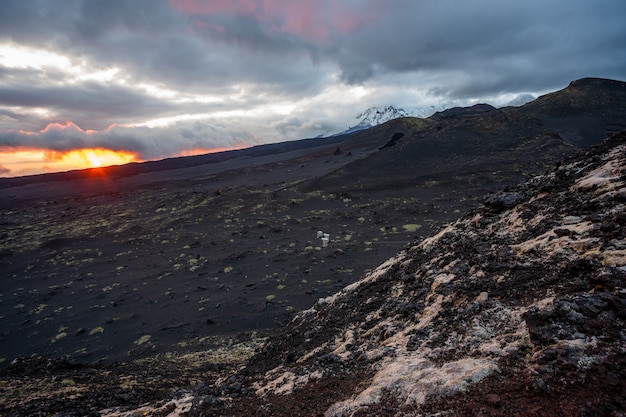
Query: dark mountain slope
x,y
504,145
516,309
587,109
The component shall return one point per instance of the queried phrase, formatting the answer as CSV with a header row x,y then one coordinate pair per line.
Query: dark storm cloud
x,y
405,36
486,47
478,47
535,42
153,42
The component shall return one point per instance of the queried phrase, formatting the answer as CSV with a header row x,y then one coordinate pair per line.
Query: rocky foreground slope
x,y
516,309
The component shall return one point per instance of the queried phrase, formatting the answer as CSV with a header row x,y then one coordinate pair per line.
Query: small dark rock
x,y
210,400
493,399
563,232
545,356
612,378
503,200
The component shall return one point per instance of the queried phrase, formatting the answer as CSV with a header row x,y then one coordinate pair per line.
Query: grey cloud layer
x,y
479,37
451,50
497,46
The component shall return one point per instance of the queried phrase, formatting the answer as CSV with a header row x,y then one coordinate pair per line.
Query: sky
x,y
98,82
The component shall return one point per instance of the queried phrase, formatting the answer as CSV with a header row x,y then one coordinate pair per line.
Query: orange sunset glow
x,y
35,161
95,158
26,161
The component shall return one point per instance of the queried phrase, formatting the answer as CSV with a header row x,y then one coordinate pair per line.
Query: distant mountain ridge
x,y
479,137
377,115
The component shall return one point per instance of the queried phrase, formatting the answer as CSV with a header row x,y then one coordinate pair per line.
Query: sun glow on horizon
x,y
98,157
21,162
26,161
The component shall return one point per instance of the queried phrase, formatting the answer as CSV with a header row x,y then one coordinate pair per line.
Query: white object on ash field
x,y
324,236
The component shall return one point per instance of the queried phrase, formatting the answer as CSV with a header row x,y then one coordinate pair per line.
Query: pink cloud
x,y
314,20
68,125
215,6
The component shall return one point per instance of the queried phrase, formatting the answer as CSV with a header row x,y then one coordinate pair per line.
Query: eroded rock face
x,y
520,303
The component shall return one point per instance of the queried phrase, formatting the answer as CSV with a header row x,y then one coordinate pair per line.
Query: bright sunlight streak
x,y
37,161
95,158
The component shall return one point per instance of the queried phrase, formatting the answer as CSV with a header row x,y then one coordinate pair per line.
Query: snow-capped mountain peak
x,y
380,114
376,115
